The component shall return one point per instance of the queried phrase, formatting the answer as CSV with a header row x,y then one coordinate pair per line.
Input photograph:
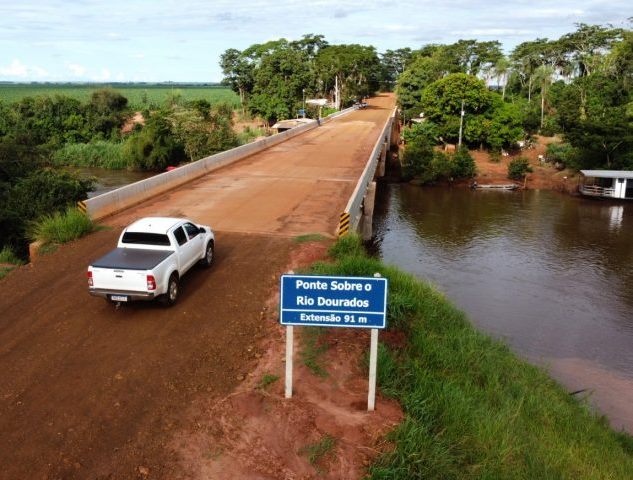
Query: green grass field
x,y
139,95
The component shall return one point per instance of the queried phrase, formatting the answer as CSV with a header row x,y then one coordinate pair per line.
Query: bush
x,y
463,164
559,153
518,168
155,147
417,157
61,227
495,156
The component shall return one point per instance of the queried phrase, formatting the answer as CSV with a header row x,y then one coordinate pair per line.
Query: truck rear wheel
x,y
173,287
207,260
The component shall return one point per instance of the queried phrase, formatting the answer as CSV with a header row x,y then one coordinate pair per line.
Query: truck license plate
x,y
118,298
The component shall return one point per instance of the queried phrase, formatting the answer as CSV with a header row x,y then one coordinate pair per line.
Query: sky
x,y
182,40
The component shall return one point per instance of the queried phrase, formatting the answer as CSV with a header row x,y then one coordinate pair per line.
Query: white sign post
x,y
373,360
325,301
289,349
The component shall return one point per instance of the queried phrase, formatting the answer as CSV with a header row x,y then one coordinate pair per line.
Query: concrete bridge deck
x,y
299,186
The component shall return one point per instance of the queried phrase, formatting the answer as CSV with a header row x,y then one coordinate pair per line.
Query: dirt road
x,y
87,391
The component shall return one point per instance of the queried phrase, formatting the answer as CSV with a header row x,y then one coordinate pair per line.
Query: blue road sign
x,y
324,301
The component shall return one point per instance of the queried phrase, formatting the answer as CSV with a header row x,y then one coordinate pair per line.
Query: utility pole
x,y
461,125
304,103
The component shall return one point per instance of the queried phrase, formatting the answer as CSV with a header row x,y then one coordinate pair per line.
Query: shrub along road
x,y
88,391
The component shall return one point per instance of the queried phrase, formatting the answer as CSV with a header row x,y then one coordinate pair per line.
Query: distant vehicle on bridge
x,y
151,257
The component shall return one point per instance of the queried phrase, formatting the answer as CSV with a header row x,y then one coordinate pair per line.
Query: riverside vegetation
x,y
577,86
472,408
39,134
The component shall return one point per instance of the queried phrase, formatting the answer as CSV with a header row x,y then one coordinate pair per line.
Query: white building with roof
x,y
607,183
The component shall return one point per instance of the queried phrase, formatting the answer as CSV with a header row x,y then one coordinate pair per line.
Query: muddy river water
x,y
550,274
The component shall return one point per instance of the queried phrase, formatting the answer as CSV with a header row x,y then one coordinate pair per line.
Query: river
x,y
550,274
108,179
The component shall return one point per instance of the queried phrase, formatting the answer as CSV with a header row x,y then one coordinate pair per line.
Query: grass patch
x,y
267,380
48,248
313,349
8,261
8,256
316,452
249,134
61,227
100,154
310,237
4,271
472,408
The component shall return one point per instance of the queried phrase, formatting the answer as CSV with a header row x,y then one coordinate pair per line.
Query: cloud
x,y
19,70
494,32
103,76
15,69
76,70
39,72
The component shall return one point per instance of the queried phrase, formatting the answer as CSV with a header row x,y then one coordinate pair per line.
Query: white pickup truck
x,y
152,255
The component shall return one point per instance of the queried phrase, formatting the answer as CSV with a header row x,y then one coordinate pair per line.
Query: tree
x,y
442,101
502,70
350,71
238,74
394,63
597,121
472,57
106,111
279,81
587,46
543,76
419,74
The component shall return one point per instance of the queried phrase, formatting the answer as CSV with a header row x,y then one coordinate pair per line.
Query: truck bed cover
x,y
132,259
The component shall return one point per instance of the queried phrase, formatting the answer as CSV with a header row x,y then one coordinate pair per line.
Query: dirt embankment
x,y
543,175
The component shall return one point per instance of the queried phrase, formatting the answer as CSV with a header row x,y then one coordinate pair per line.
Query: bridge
x,y
87,390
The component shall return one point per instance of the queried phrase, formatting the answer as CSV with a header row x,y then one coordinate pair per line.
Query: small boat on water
x,y
504,186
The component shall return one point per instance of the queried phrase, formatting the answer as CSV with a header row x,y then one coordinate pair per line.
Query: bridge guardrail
x,y
355,202
117,200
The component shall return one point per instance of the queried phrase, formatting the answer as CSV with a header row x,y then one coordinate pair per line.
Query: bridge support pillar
x,y
366,223
395,133
380,168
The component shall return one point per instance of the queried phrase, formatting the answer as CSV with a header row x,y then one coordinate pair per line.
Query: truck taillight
x,y
151,282
89,274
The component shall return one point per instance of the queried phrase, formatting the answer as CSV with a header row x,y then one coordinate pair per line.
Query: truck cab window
x,y
181,238
192,230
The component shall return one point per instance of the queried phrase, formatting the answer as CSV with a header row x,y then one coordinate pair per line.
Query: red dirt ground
x,y
88,391
543,176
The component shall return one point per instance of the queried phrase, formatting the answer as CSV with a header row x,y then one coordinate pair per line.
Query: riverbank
x,y
544,176
472,408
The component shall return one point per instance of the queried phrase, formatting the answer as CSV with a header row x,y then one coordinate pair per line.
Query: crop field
x,y
139,95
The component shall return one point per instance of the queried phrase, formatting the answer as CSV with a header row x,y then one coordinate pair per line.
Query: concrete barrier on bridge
x,y
355,206
334,115
117,200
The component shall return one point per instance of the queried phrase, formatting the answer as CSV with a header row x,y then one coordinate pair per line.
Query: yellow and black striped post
x,y
343,224
82,207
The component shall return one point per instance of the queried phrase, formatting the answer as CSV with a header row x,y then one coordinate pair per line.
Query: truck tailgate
x,y
125,269
119,280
